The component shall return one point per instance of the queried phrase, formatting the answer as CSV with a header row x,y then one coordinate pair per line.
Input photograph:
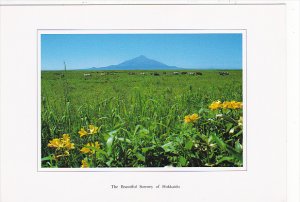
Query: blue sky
x,y
79,51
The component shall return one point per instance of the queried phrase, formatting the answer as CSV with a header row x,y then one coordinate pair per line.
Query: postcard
x,y
148,102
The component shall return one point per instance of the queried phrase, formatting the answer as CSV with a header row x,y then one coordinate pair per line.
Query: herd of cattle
x,y
154,73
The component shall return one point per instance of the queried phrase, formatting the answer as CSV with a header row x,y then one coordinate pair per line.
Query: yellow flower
x,y
64,142
191,118
194,117
67,142
69,145
215,105
56,143
232,105
62,145
187,119
236,105
85,150
90,148
90,131
93,129
226,105
84,164
82,132
97,145
66,137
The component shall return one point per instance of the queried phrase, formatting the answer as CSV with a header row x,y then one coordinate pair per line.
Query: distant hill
x,y
138,63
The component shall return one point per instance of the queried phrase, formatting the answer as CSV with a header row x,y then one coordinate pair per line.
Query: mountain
x,y
138,63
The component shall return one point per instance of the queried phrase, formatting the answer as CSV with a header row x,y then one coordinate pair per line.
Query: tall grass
x,y
140,119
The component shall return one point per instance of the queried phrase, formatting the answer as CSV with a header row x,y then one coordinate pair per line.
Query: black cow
x,y
223,73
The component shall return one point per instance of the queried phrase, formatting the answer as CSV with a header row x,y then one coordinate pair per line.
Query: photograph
x,y
142,100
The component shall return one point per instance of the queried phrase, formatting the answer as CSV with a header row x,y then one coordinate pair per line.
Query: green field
x,y
140,119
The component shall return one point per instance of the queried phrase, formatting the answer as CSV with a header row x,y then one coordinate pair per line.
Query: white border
x,y
265,179
148,31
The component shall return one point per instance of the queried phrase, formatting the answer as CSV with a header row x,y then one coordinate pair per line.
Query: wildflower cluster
x,y
91,130
191,118
61,145
89,148
225,105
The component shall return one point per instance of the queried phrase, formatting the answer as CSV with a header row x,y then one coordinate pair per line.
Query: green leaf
x,y
112,133
168,147
117,126
228,126
47,158
136,129
230,159
143,132
145,149
210,138
140,157
238,156
228,148
182,161
219,142
238,147
124,140
238,133
109,162
109,143
100,152
189,145
106,136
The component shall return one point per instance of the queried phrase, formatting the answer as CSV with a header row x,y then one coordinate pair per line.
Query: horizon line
x,y
179,69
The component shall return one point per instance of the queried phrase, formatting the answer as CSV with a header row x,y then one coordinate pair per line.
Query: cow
x,y
198,73
156,74
60,75
86,76
142,73
164,72
131,73
183,73
191,73
176,73
223,73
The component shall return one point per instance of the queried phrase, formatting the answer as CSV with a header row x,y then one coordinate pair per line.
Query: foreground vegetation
x,y
136,120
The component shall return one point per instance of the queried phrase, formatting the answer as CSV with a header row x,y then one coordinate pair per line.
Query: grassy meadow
x,y
115,119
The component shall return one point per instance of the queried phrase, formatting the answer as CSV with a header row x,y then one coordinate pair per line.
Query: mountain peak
x,y
142,56
139,63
